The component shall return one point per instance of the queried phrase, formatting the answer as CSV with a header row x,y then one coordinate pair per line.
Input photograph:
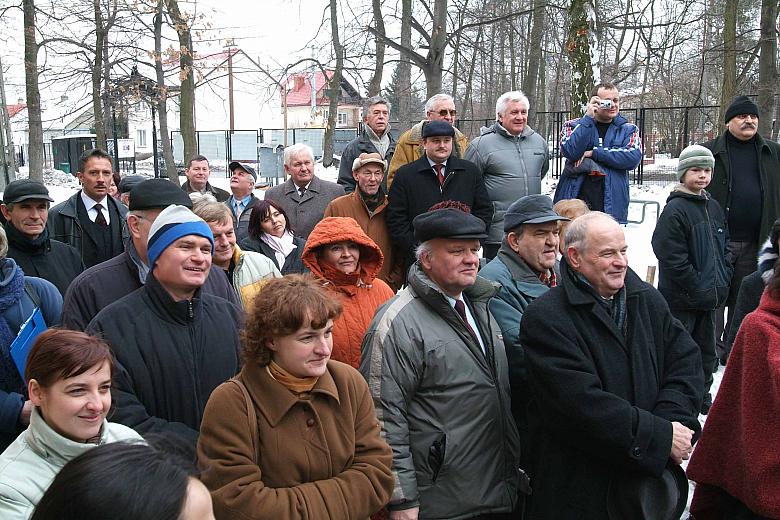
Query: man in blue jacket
x,y
601,148
526,266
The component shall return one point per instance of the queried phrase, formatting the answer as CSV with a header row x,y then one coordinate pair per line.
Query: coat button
x,y
636,451
310,422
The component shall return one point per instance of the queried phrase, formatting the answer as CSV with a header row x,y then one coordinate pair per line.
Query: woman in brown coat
x,y
294,435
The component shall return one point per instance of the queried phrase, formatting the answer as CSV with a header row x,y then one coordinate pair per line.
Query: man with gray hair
x,y
441,107
513,159
375,138
242,201
435,362
303,196
616,384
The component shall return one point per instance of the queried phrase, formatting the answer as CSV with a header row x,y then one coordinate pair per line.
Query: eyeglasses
x,y
444,112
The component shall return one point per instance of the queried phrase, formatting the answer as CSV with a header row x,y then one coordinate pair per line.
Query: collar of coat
x,y
481,292
68,208
719,143
275,398
48,443
183,312
314,186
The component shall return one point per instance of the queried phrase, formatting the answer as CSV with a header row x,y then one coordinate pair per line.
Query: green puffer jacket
x,y
442,403
29,465
520,285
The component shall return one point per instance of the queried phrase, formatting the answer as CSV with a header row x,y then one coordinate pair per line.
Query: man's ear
x,y
6,213
513,240
574,257
132,226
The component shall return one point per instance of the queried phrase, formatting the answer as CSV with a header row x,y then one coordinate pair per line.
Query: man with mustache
x,y
526,266
746,184
91,221
616,385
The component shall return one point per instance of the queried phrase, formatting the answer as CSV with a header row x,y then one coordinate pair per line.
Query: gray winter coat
x,y
304,213
442,403
512,166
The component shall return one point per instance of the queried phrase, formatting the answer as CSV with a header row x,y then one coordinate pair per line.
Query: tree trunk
x,y
97,76
433,67
162,98
334,87
729,84
405,116
531,78
767,67
578,49
35,149
8,173
187,77
375,87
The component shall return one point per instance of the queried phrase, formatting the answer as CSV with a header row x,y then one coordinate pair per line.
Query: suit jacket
x,y
241,224
304,212
416,188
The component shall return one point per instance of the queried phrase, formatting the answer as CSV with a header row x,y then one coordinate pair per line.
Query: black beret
x,y
25,189
158,193
128,182
741,105
438,129
448,223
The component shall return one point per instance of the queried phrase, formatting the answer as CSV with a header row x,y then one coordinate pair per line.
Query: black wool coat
x,y
415,189
170,356
603,403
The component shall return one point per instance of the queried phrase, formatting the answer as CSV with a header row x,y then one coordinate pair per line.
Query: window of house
x,y
140,138
342,118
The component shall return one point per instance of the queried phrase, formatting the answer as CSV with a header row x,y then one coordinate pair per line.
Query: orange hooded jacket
x,y
361,293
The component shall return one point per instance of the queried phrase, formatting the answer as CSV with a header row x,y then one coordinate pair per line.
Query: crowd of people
x,y
431,337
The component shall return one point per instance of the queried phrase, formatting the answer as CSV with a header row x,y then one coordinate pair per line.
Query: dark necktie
x,y
439,173
100,220
460,308
301,191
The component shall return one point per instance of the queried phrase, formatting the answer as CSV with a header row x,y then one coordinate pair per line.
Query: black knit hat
x,y
741,105
157,193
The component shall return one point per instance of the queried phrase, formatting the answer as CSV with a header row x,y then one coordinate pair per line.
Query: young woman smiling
x,y
68,376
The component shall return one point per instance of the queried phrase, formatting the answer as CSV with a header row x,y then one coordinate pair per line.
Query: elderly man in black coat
x,y
617,385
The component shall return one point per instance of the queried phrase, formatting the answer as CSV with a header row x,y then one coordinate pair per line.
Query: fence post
x,y
641,124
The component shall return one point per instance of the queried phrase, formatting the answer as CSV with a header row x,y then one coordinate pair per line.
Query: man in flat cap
x,y
435,177
526,266
367,205
105,283
243,200
126,184
746,184
435,362
25,211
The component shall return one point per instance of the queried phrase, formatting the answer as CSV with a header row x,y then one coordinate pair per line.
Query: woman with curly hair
x,y
294,435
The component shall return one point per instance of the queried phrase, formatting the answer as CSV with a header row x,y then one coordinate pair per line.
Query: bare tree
x,y
35,150
375,87
334,86
162,96
187,76
767,67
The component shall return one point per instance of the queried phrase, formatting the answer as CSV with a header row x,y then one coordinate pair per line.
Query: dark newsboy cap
x,y
438,129
531,209
128,182
447,223
157,193
251,171
24,189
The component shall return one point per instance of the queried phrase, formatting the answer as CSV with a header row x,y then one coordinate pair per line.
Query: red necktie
x,y
100,219
439,174
460,308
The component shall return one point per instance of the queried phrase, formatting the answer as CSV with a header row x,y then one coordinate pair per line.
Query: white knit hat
x,y
170,225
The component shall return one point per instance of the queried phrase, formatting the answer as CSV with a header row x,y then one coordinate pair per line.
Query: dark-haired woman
x,y
69,384
736,463
294,436
123,481
270,234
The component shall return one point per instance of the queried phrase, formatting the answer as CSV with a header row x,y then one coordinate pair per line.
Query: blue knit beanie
x,y
170,225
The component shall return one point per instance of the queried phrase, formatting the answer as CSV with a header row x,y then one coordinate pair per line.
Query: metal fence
x,y
665,131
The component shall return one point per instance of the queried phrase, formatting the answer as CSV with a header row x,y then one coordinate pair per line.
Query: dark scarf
x,y
615,306
24,243
372,201
10,294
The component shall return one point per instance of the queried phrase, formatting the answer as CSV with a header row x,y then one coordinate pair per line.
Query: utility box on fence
x,y
67,149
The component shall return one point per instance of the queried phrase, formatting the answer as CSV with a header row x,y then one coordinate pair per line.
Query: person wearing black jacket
x,y
690,243
25,211
435,177
105,283
173,344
